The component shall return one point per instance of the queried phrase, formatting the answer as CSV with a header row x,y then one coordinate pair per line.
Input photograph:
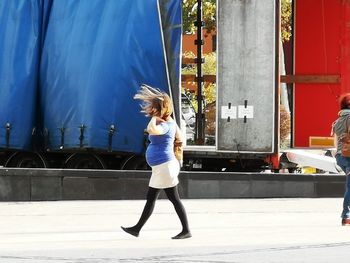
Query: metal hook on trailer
x,y
62,130
8,129
81,137
110,137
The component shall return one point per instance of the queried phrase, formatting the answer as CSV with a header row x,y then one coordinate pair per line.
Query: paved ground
x,y
231,230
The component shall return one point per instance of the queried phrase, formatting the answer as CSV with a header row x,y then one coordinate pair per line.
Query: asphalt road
x,y
224,230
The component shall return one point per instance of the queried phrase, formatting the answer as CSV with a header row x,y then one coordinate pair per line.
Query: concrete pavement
x,y
224,230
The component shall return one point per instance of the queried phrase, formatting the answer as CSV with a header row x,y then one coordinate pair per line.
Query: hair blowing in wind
x,y
155,102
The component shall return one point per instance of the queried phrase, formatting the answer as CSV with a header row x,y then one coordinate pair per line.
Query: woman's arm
x,y
154,127
178,144
178,134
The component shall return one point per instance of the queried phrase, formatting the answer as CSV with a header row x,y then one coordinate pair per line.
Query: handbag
x,y
345,149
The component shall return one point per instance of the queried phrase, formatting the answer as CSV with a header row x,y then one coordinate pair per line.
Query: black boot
x,y
131,230
183,235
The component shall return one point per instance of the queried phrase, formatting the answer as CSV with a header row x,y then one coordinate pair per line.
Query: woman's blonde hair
x,y
155,102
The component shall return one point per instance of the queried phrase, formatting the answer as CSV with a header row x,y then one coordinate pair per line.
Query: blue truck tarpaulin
x,y
20,40
171,15
91,58
95,57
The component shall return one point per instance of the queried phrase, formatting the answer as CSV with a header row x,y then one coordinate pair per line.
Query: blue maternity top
x,y
161,147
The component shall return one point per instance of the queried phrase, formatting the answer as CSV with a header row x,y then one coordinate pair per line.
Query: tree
x,y
286,20
189,15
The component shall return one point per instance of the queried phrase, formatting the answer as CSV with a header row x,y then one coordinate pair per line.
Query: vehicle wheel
x,y
135,162
84,161
26,160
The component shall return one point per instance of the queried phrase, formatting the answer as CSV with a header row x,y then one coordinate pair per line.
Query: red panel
x,y
345,47
321,48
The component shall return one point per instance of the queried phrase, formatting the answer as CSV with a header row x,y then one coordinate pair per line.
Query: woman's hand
x,y
153,126
158,120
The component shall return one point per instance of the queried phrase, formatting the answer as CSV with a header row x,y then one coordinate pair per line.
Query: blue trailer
x,y
69,71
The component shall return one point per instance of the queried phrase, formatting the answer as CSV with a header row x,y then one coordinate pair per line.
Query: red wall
x,y
188,42
321,48
345,47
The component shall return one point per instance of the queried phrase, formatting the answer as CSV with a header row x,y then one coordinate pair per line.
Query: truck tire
x,y
26,160
135,162
84,161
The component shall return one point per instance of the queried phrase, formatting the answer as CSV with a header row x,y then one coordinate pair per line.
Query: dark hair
x,y
344,101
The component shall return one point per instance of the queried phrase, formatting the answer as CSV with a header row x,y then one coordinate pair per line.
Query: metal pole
x,y
199,135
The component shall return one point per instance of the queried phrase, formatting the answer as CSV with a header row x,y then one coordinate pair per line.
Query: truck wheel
x,y
84,161
135,162
26,160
